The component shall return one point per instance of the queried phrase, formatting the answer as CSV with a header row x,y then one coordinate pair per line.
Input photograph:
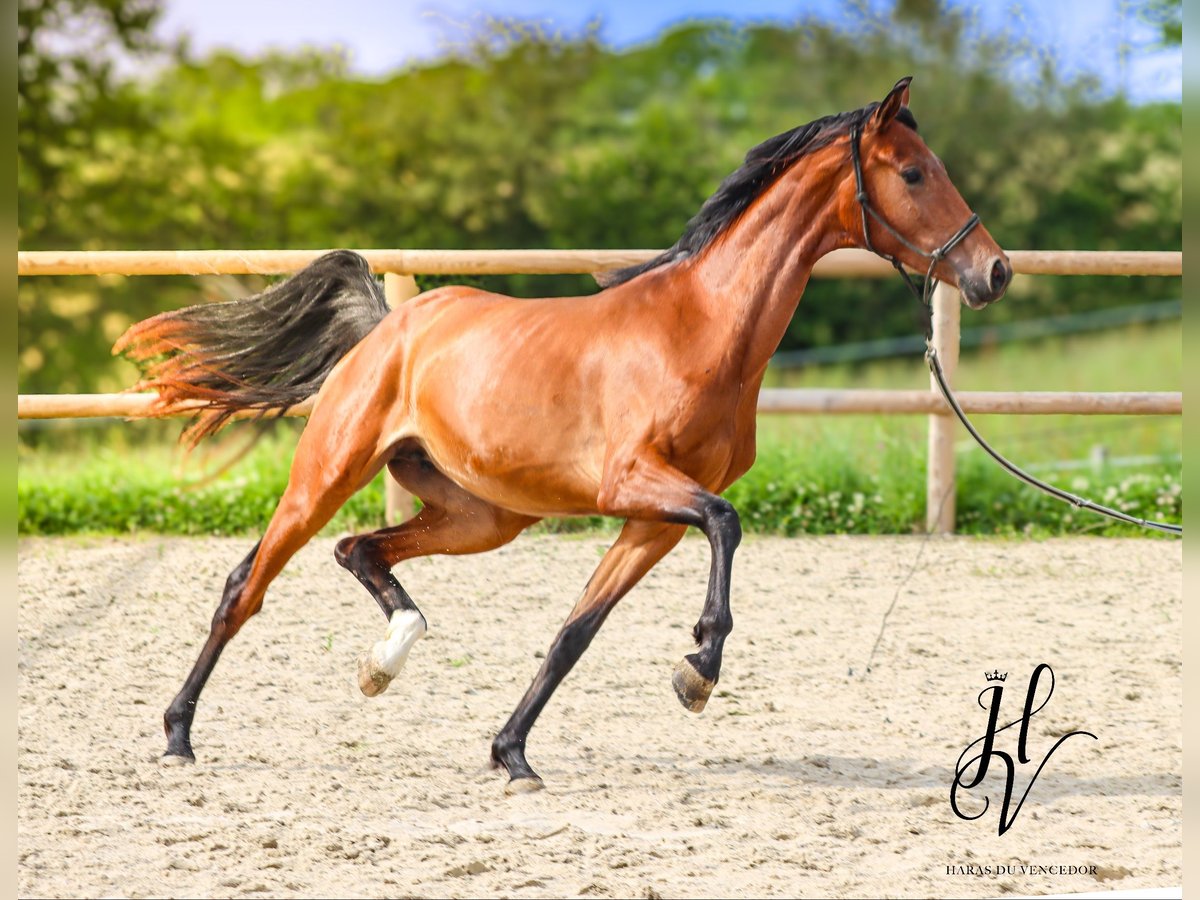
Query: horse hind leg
x,y
325,474
451,521
177,721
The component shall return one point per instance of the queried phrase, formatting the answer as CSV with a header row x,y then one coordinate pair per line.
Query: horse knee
x,y
722,522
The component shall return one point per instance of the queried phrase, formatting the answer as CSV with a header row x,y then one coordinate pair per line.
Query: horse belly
x,y
528,445
519,477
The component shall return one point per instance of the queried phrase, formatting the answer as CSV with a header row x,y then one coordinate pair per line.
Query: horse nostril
x,y
999,275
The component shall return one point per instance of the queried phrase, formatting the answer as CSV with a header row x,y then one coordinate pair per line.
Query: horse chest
x,y
713,441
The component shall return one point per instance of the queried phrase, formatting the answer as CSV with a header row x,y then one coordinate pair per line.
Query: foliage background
x,y
519,138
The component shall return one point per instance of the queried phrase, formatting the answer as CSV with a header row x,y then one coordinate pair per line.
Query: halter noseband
x,y
864,205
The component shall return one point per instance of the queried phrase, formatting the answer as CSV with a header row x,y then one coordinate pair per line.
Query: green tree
x,y
524,139
68,92
1167,18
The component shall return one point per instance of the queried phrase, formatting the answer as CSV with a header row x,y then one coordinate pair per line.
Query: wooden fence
x,y
398,266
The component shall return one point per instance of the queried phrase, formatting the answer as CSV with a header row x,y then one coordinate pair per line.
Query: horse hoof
x,y
371,681
170,760
692,688
530,784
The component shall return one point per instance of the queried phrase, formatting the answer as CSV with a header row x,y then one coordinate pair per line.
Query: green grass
x,y
1132,359
814,474
811,469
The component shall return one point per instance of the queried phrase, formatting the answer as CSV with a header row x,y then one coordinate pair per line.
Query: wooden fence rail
x,y
780,401
839,264
398,265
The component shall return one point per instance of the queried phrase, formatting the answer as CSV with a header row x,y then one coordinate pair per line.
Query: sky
x,y
382,35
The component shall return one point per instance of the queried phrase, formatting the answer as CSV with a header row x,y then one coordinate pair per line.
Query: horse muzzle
x,y
979,290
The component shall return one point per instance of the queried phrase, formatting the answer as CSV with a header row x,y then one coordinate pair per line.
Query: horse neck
x,y
749,281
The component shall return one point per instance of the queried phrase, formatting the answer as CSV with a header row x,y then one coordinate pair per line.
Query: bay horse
x,y
637,402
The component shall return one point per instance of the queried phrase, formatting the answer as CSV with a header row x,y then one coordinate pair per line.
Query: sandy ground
x,y
805,775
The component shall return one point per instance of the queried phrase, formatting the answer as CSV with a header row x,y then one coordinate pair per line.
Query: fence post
x,y
397,502
939,483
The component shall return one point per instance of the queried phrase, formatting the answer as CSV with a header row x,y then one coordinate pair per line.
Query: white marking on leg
x,y
404,629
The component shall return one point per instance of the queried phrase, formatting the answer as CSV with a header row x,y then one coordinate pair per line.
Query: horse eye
x,y
912,176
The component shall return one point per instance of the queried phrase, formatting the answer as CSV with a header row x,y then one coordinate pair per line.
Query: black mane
x,y
763,165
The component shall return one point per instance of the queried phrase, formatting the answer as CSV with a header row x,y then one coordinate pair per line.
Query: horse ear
x,y
896,99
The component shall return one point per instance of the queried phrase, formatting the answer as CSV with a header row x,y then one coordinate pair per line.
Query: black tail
x,y
267,352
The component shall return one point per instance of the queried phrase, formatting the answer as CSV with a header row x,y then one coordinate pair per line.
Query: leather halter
x,y
931,357
864,205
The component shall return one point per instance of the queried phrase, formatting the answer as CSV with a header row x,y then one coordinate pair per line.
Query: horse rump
x,y
267,352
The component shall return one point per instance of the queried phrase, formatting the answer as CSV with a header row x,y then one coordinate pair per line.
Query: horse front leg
x,y
697,673
637,549
647,487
